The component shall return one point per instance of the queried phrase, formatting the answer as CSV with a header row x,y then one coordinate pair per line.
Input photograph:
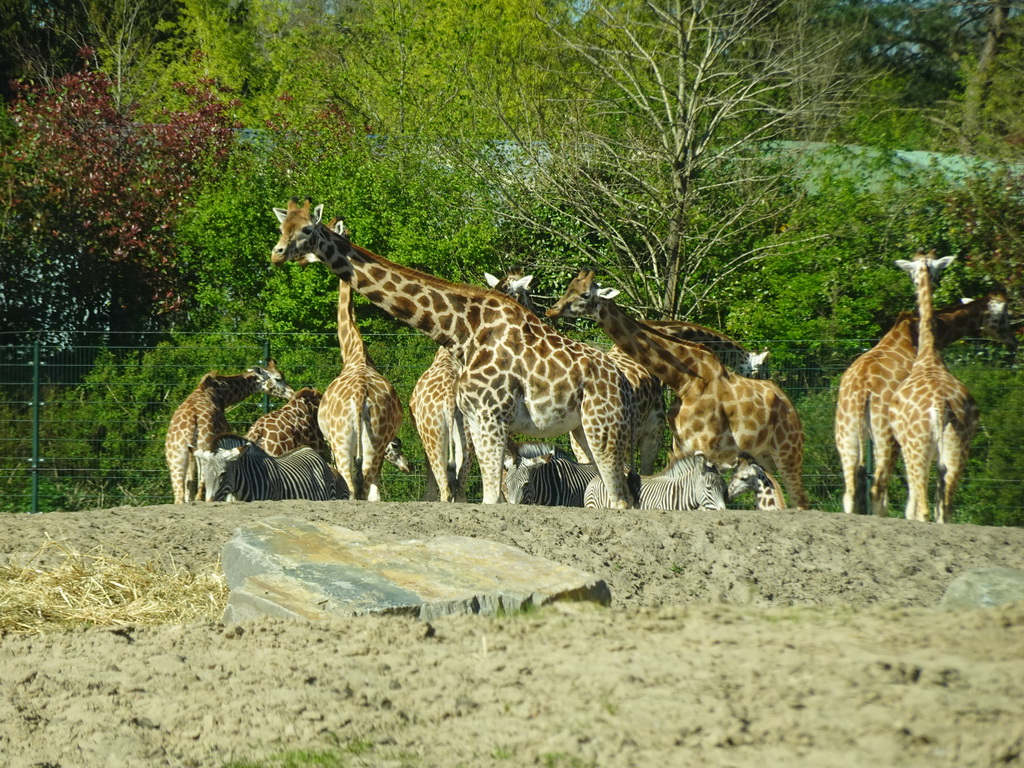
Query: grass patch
x,y
98,589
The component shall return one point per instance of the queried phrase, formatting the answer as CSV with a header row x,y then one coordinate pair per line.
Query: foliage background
x,y
143,144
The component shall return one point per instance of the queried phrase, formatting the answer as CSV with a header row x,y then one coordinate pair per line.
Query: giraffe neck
x,y
443,311
350,341
925,313
226,391
675,362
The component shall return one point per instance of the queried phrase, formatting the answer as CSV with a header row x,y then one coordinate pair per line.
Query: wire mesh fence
x,y
82,424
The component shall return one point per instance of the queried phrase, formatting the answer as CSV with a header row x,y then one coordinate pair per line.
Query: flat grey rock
x,y
984,588
293,568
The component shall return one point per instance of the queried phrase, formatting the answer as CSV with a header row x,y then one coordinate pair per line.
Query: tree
x,y
652,163
91,200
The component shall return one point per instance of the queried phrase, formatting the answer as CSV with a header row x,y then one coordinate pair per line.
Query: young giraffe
x,y
291,426
440,424
517,375
201,417
934,417
719,413
867,387
360,412
748,475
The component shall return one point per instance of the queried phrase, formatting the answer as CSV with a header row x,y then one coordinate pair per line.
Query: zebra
x,y
548,479
748,475
689,482
239,470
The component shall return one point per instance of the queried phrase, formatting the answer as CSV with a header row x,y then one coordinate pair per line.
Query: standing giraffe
x,y
517,374
291,426
934,417
718,413
201,417
360,412
867,387
441,427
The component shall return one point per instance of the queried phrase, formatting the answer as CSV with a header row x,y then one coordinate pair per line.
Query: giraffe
x,y
518,374
438,421
360,412
933,416
201,417
867,387
718,413
748,475
729,352
291,426
649,425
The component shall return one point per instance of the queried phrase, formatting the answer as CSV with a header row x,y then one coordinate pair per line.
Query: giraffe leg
x,y
885,465
462,457
489,437
848,445
916,463
579,445
611,457
951,461
651,433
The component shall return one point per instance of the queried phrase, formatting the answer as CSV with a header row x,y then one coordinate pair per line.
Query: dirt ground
x,y
734,639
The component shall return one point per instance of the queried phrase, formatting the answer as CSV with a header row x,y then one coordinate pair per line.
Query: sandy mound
x,y
734,638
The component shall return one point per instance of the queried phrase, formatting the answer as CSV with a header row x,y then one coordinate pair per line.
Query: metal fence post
x,y
36,460
266,361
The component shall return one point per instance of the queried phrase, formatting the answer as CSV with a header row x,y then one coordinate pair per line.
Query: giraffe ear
x,y
522,283
906,266
318,214
944,262
608,293
281,214
491,280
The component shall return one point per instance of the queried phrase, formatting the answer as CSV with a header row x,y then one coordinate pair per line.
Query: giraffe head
x,y
272,381
299,228
995,319
514,284
582,298
393,455
924,261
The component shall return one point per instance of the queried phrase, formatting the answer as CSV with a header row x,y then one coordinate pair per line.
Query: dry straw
x,y
96,588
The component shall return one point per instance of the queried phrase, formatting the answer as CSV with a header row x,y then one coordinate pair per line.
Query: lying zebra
x,y
548,478
747,475
239,470
689,482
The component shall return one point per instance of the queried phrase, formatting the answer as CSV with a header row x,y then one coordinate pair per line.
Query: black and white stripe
x,y
239,470
547,480
690,482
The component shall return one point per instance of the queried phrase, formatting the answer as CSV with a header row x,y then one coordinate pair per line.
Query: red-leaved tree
x,y
91,197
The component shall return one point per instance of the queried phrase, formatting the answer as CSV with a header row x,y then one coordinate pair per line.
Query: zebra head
x,y
215,466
